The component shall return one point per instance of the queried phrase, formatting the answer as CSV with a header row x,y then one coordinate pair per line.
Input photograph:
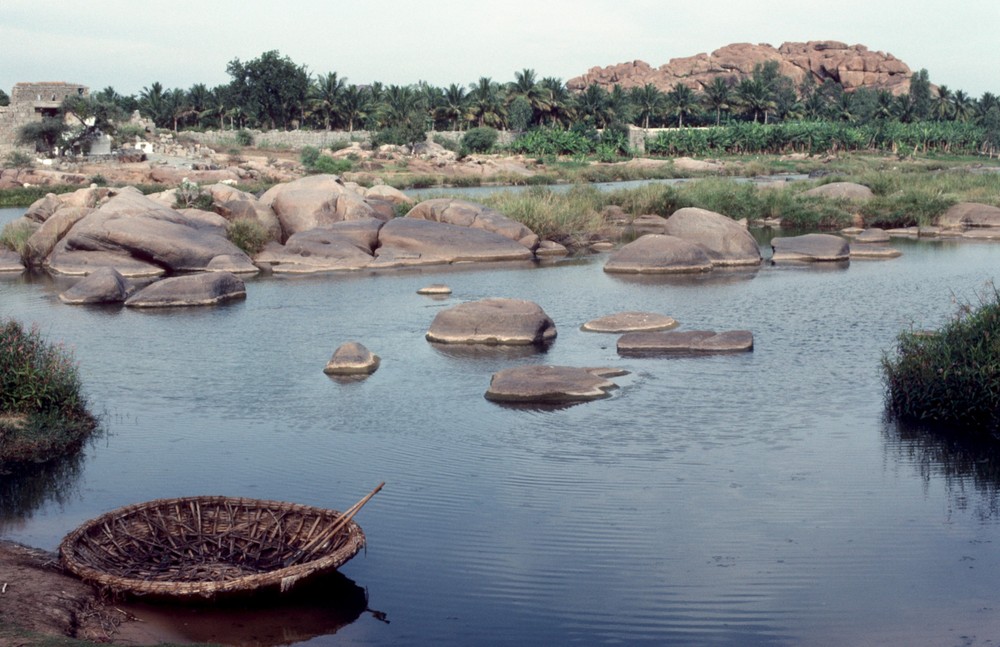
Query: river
x,y
753,499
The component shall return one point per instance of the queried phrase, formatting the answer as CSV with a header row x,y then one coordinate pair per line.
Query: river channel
x,y
752,499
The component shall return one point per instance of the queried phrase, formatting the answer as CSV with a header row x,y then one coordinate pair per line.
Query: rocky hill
x,y
853,66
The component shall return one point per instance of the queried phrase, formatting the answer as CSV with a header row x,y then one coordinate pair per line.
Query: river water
x,y
753,499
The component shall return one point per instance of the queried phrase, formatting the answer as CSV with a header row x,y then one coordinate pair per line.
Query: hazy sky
x,y
129,44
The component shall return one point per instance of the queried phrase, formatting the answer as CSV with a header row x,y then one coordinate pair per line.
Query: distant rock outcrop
x,y
852,66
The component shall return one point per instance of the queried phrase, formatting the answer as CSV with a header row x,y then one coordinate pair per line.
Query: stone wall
x,y
30,102
298,139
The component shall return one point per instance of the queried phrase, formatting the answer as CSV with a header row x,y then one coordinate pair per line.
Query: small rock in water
x,y
436,288
352,358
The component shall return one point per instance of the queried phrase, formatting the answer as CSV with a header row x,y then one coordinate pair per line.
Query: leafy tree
x,y
480,139
526,86
4,98
755,98
19,161
520,114
154,103
44,135
648,103
920,95
271,89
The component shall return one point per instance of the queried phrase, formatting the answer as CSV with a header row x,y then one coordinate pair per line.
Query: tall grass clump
x,y
552,214
42,411
905,209
950,376
15,235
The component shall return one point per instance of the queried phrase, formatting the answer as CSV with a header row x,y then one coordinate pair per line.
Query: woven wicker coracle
x,y
210,545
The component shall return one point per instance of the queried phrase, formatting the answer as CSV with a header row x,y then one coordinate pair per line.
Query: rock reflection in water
x,y
969,466
319,607
29,488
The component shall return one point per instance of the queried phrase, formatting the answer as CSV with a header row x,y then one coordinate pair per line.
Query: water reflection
x,y
491,351
717,277
320,607
968,465
29,488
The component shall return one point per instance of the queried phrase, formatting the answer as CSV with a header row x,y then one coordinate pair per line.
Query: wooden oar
x,y
313,546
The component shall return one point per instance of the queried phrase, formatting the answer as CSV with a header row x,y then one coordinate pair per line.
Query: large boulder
x,y
315,201
724,240
513,322
130,224
477,216
684,342
842,190
810,248
46,237
970,214
410,241
659,254
352,358
104,285
551,384
388,194
207,288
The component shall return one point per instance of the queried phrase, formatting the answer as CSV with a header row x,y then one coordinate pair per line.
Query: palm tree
x,y
755,98
717,96
486,103
883,105
942,104
355,104
152,102
558,101
594,104
962,106
455,105
681,102
325,95
984,104
648,102
525,85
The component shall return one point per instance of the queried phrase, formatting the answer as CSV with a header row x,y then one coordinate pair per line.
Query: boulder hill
x,y
852,66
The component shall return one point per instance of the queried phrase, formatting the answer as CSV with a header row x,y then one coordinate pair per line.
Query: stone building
x,y
31,102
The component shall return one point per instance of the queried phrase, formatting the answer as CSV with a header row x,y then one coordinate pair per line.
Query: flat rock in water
x,y
513,322
550,384
874,251
810,248
872,235
104,285
10,261
345,245
630,322
549,248
435,289
659,254
207,288
688,341
352,358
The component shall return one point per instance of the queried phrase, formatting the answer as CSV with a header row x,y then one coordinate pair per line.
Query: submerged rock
x,y
352,358
551,384
630,322
493,321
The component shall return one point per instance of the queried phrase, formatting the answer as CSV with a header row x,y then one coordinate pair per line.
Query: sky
x,y
128,45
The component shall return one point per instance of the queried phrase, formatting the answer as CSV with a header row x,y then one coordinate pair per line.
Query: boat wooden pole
x,y
345,518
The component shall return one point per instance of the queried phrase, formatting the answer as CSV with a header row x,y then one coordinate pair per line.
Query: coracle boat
x,y
211,545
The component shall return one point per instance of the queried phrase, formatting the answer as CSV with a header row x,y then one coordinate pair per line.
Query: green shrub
x,y
42,410
247,234
326,164
308,156
950,376
480,140
244,138
191,196
904,209
446,142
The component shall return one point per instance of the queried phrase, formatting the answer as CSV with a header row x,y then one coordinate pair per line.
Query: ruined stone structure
x,y
31,102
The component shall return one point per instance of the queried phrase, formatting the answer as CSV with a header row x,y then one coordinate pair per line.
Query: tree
x,y
593,105
681,102
520,114
718,95
962,106
153,103
355,104
755,98
44,135
4,98
325,97
920,95
486,102
558,105
526,85
271,89
941,106
648,103
404,117
454,105
19,161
